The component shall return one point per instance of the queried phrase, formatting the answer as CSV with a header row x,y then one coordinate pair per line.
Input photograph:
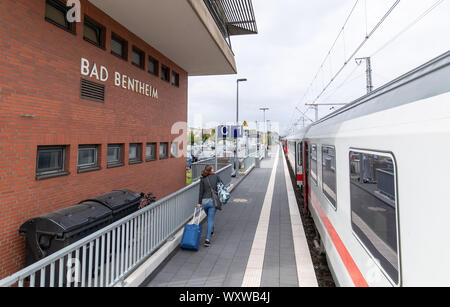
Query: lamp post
x,y
236,162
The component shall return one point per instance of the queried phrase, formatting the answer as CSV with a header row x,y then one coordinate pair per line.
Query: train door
x,y
299,163
305,174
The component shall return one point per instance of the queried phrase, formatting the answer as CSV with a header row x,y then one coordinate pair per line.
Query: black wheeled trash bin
x,y
120,202
48,233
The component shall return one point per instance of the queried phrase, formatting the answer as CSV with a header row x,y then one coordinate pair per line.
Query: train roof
x,y
428,80
298,135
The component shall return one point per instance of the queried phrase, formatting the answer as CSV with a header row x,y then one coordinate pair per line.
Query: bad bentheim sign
x,y
101,73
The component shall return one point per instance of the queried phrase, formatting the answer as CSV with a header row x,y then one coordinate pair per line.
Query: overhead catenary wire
x,y
359,48
423,15
344,82
329,52
335,41
367,37
394,38
365,14
408,27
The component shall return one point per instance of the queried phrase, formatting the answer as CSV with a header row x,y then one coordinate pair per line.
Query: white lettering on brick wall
x,y
101,73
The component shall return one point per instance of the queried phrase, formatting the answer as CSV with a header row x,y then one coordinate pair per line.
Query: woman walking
x,y
208,181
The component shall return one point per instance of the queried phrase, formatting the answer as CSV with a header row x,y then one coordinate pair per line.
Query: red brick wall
x,y
40,75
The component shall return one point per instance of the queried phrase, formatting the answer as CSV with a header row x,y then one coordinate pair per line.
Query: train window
x,y
299,154
374,208
329,173
314,162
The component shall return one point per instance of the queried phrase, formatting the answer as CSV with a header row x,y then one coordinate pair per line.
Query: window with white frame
x,y
313,163
329,174
135,153
174,150
51,161
150,152
115,155
87,157
163,147
374,207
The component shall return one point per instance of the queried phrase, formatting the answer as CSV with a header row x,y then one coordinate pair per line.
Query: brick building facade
x,y
40,105
43,67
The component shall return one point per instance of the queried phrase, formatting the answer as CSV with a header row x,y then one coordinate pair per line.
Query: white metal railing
x,y
249,162
197,167
106,257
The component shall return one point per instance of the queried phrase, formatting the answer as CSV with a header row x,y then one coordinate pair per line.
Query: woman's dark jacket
x,y
205,190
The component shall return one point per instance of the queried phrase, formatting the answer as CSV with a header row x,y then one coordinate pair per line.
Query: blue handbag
x,y
223,193
192,233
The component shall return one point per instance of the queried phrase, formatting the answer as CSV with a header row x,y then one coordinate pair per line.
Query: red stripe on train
x,y
352,268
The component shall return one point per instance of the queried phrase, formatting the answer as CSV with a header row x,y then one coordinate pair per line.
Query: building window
x,y
165,73
51,161
115,155
314,162
175,79
163,151
88,158
329,173
56,13
150,152
135,154
374,208
174,150
119,47
137,58
153,66
93,32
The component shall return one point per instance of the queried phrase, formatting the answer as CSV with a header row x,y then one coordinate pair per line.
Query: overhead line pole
x,y
316,107
368,72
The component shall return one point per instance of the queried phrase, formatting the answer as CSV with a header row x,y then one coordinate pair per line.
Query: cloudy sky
x,y
294,39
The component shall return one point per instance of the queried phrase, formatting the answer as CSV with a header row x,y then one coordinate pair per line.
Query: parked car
x,y
206,154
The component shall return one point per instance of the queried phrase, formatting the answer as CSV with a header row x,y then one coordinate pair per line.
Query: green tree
x,y
192,138
205,137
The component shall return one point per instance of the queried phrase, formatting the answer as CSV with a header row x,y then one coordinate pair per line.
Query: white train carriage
x,y
376,182
294,153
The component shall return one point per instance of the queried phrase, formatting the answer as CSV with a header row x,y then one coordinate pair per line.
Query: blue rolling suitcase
x,y
192,233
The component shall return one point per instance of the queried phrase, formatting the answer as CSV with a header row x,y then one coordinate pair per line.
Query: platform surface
x,y
253,244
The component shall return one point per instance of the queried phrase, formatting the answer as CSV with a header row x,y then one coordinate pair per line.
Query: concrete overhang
x,y
182,30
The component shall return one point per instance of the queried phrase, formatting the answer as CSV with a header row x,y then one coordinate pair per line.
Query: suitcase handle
x,y
199,214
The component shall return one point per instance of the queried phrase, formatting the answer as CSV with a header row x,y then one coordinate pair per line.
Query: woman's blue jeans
x,y
210,210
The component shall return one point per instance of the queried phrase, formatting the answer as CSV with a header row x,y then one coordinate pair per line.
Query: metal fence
x,y
198,167
249,162
107,257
